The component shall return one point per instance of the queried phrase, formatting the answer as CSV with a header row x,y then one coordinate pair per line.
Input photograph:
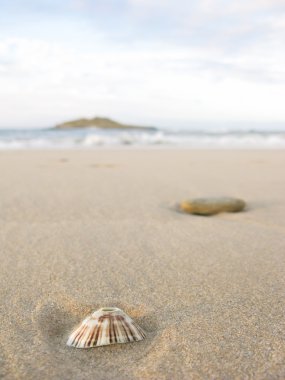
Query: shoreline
x,y
133,148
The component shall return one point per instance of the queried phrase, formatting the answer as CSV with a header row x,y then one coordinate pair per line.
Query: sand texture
x,y
84,229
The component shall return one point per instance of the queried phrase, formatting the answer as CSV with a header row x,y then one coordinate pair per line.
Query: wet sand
x,y
84,229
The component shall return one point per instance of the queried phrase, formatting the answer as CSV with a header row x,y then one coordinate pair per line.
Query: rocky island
x,y
98,122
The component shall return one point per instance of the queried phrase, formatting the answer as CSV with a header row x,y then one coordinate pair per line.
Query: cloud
x,y
141,60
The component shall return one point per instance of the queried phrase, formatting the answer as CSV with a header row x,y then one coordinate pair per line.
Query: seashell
x,y
108,325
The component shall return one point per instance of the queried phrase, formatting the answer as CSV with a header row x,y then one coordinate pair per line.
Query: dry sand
x,y
85,229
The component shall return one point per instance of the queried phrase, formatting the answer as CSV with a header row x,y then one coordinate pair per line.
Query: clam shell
x,y
108,325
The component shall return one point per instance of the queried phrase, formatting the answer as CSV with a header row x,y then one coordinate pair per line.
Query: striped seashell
x,y
108,325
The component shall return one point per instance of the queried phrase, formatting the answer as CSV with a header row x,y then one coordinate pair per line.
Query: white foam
x,y
96,138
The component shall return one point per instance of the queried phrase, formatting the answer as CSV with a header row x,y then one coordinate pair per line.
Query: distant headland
x,y
99,122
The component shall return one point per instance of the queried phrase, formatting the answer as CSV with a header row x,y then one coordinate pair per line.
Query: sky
x,y
167,63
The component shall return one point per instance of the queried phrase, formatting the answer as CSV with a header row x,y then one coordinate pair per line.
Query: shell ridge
x,y
120,331
77,335
125,335
97,335
106,333
93,336
112,331
82,338
90,336
130,334
136,331
141,331
115,330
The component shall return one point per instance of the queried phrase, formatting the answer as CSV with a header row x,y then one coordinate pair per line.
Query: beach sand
x,y
86,229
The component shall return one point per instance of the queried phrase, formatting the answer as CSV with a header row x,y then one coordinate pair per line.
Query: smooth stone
x,y
212,206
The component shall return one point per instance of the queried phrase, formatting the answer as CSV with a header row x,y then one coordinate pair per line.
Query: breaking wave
x,y
97,138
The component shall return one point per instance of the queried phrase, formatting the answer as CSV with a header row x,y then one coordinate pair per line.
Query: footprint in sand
x,y
54,320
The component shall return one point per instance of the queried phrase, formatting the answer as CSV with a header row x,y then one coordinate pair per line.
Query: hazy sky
x,y
156,62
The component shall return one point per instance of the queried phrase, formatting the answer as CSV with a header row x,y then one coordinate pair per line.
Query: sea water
x,y
95,138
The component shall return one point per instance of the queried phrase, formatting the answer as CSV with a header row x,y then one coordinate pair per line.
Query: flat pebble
x,y
212,206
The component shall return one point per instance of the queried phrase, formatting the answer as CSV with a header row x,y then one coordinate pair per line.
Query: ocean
x,y
95,138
